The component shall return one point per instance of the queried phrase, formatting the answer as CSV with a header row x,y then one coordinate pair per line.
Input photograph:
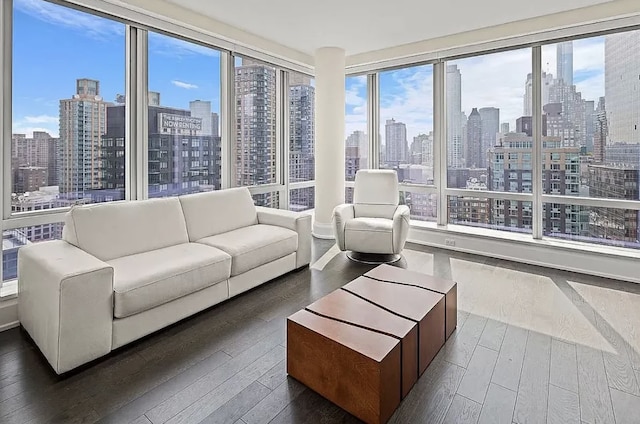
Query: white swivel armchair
x,y
374,228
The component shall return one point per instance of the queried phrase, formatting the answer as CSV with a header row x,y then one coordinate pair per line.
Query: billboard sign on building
x,y
178,124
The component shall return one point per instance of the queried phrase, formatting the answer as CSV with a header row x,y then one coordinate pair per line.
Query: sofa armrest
x,y
296,221
65,302
400,227
341,214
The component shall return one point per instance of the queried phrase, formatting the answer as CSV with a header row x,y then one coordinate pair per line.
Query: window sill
x,y
9,290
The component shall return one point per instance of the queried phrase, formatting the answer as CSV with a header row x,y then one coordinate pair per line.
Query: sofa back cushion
x,y
217,212
113,230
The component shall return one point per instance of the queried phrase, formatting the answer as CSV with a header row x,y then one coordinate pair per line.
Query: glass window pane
x,y
484,104
255,152
406,123
302,199
65,79
269,200
495,214
357,140
423,207
184,117
12,240
301,138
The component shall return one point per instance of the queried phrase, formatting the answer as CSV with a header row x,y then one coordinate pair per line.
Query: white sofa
x,y
126,269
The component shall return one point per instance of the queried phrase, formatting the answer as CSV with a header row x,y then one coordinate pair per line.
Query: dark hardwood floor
x,y
533,345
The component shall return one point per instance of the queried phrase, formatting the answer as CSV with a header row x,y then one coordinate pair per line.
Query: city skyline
x,y
55,34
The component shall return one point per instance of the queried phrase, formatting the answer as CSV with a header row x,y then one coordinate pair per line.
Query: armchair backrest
x,y
375,194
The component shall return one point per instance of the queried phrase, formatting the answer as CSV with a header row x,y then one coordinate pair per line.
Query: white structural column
x,y
329,137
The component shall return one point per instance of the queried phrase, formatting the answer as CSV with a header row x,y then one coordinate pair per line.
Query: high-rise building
x,y
504,128
524,124
180,160
82,125
356,154
474,139
621,86
202,110
614,182
254,153
600,132
490,117
564,62
301,140
427,148
395,142
40,151
215,124
547,82
455,151
510,171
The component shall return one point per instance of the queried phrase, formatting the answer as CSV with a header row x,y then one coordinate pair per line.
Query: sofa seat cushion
x,y
146,280
369,235
254,245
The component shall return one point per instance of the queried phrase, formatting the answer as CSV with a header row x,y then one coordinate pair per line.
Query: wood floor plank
x,y
275,376
498,406
564,406
460,346
463,411
220,395
432,395
475,382
493,335
531,402
617,364
626,407
510,358
564,365
269,407
595,399
141,420
237,406
208,382
162,392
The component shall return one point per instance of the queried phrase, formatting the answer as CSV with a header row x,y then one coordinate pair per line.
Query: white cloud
x,y
164,45
41,119
185,85
85,23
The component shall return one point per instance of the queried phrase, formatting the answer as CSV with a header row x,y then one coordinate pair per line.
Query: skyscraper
x,y
490,128
504,128
547,82
202,109
564,62
301,140
82,124
254,152
621,86
474,139
601,132
395,142
455,152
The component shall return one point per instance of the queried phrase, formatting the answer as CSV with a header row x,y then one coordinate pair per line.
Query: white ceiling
x,y
360,26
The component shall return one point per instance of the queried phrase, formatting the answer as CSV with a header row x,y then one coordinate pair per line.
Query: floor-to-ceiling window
x,y
185,152
489,140
356,138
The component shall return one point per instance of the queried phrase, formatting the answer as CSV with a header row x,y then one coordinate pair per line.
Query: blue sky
x,y
54,45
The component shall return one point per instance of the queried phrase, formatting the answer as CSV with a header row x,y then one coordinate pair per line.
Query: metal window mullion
x,y
227,119
536,160
136,115
440,139
373,120
283,147
6,42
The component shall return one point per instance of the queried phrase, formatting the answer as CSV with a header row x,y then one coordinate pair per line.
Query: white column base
x,y
322,231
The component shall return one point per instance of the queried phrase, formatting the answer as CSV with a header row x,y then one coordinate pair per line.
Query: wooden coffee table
x,y
364,346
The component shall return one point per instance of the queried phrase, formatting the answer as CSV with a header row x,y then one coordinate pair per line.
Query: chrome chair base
x,y
373,258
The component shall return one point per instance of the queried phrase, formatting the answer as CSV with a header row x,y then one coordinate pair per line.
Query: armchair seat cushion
x,y
369,235
146,280
255,245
